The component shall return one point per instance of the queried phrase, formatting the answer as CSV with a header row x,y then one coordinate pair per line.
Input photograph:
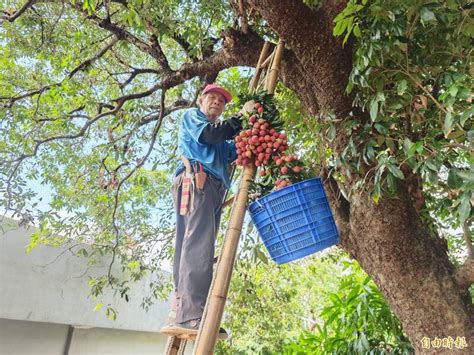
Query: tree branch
x,y
468,240
82,66
186,46
235,52
178,105
339,205
89,61
305,31
153,49
465,274
17,162
133,171
135,73
238,49
16,14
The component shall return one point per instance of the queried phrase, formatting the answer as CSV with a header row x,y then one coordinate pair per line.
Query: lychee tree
x,y
90,90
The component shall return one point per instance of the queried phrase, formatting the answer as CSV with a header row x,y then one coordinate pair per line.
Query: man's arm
x,y
221,131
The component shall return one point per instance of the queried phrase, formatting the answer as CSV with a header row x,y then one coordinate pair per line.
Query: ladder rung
x,y
193,336
175,346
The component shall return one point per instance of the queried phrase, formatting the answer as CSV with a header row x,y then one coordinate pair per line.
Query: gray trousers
x,y
194,247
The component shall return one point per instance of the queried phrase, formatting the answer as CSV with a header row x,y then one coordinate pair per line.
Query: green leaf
x,y
381,128
453,90
458,135
407,144
395,170
432,165
364,342
380,97
464,94
341,25
332,317
418,147
448,123
376,193
357,32
427,15
111,313
465,115
370,150
391,183
390,143
401,87
133,265
332,132
261,255
454,181
464,208
374,107
89,5
466,176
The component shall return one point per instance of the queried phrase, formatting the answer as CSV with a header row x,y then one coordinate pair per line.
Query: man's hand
x,y
249,106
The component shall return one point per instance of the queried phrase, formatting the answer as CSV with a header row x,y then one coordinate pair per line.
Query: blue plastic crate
x,y
295,221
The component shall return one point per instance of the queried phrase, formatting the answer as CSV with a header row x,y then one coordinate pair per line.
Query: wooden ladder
x,y
266,75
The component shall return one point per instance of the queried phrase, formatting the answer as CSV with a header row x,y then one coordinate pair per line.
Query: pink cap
x,y
219,90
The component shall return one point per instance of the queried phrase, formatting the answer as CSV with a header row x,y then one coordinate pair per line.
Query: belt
x,y
188,185
209,174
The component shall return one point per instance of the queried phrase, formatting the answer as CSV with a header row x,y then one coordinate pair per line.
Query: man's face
x,y
212,105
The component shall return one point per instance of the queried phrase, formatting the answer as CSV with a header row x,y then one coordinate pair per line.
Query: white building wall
x,y
50,284
113,341
31,338
36,338
44,292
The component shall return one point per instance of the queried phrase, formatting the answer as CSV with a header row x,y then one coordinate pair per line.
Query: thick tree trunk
x,y
410,269
388,239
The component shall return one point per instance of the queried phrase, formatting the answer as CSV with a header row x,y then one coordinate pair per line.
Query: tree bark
x,y
388,239
410,269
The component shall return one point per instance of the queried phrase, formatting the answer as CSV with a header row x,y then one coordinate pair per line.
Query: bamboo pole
x,y
258,69
243,17
268,69
268,60
212,316
275,68
252,87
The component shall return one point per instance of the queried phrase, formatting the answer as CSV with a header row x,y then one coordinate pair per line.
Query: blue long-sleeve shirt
x,y
215,158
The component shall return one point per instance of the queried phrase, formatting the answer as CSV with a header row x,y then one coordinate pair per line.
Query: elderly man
x,y
205,142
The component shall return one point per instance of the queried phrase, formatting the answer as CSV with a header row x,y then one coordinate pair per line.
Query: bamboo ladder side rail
x,y
211,320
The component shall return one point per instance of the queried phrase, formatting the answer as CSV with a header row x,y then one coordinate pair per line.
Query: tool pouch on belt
x,y
187,188
200,178
186,194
